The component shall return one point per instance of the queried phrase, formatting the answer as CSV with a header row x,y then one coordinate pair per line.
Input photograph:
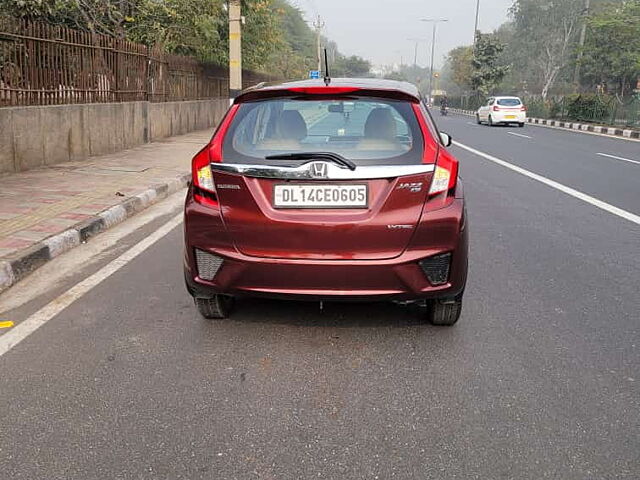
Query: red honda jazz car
x,y
310,191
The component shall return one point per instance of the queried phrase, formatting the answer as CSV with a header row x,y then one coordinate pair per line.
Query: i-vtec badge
x,y
412,187
399,227
228,186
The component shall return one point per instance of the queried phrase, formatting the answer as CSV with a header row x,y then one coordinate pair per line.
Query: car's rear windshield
x,y
509,102
366,130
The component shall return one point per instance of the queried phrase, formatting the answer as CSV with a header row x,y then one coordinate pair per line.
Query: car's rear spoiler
x,y
255,94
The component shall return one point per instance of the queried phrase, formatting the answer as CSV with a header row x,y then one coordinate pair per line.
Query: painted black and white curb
x,y
584,127
16,267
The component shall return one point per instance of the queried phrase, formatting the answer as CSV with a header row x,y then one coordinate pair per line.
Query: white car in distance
x,y
502,111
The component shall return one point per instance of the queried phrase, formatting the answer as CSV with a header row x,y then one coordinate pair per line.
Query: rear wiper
x,y
334,157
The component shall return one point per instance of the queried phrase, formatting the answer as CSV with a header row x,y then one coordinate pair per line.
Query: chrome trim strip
x,y
331,171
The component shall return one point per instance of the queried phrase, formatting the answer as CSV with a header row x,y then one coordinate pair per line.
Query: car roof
x,y
498,97
404,89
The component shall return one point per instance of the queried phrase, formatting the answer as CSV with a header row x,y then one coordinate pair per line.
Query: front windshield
x,y
368,130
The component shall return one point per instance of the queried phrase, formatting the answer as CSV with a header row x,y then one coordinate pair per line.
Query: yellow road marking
x,y
7,324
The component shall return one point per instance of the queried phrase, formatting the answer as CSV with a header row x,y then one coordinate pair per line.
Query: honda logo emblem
x,y
318,170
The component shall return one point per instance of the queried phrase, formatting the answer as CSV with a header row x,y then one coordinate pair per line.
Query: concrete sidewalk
x,y
47,211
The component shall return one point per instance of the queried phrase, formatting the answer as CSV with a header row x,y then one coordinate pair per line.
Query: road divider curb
x,y
583,127
17,266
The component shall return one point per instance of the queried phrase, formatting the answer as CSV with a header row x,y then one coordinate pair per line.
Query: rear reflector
x,y
436,268
208,264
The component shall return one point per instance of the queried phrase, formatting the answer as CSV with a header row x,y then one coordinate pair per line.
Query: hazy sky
x,y
378,29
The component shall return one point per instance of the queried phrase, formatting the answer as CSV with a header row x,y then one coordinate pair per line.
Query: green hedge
x,y
589,107
581,107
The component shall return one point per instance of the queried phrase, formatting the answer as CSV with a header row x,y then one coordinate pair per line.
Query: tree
x,y
276,38
612,51
109,17
546,30
460,67
352,66
399,76
487,73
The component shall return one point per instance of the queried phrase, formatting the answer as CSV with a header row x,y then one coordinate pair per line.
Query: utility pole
x,y
235,49
475,29
433,47
319,24
415,51
583,35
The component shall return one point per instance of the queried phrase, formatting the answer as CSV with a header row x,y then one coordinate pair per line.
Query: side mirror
x,y
446,139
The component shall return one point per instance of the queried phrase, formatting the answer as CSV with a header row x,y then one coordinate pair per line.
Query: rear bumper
x,y
400,278
506,117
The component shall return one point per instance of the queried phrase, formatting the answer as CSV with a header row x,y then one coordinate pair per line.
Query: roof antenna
x,y
327,76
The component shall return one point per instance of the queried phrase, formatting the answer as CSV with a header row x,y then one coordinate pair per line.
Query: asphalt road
x,y
539,379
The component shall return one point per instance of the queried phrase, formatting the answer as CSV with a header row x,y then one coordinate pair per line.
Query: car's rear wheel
x,y
219,306
444,312
478,119
490,121
521,125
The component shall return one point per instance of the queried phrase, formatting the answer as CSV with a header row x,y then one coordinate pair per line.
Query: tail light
x,y
445,175
201,174
201,170
523,108
496,108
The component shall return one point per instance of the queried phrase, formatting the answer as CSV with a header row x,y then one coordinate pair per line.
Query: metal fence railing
x,y
590,107
42,64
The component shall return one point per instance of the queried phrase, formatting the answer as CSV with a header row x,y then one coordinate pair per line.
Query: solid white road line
x,y
46,313
519,135
618,158
61,268
558,186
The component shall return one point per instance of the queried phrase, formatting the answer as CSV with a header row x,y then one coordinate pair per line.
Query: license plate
x,y
510,116
321,195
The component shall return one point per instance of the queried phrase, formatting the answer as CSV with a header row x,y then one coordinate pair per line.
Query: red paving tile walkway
x,y
39,203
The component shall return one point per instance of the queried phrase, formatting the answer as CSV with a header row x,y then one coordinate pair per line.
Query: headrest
x,y
291,125
380,124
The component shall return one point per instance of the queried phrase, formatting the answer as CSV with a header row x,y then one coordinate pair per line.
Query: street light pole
x,y
435,22
415,50
475,29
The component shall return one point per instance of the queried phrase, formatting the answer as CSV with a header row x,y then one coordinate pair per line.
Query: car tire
x,y
521,125
219,306
491,124
478,119
444,313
